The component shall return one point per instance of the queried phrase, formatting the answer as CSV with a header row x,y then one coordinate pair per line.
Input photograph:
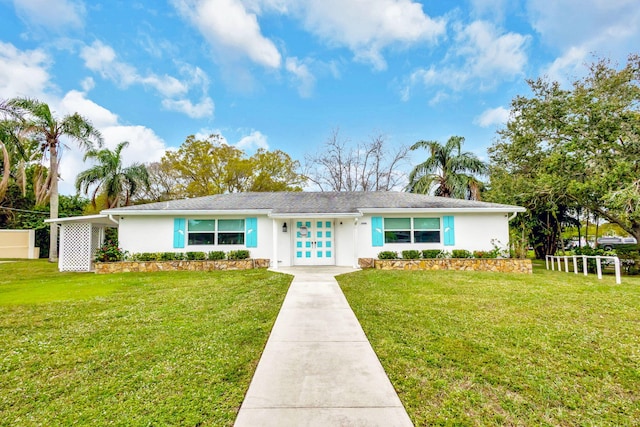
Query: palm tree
x,y
448,172
118,184
10,148
39,123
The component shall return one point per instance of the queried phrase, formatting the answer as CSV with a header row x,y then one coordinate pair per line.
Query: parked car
x,y
608,243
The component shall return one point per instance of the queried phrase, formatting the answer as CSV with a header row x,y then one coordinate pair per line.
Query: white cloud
x,y
365,27
102,59
253,141
196,111
368,27
579,29
493,10
231,29
144,145
302,76
87,84
75,101
493,116
51,14
481,56
22,73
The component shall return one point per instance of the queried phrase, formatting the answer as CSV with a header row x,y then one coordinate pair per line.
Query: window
x,y
231,231
397,230
211,231
201,231
412,230
426,230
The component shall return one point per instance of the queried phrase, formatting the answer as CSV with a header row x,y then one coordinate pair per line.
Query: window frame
x,y
217,236
412,230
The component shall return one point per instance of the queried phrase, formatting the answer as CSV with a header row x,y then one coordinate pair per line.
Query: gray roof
x,y
313,203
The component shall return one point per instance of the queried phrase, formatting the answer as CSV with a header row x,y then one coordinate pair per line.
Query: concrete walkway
x,y
318,368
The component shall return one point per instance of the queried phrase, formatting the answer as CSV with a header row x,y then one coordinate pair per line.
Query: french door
x,y
314,242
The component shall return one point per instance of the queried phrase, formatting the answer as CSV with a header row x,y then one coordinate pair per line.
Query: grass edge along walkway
x,y
131,349
465,348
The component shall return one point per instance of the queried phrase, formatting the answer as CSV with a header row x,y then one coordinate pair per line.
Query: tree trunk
x,y
53,204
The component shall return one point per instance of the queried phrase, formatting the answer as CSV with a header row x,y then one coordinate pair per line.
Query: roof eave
x,y
186,212
101,219
306,215
506,209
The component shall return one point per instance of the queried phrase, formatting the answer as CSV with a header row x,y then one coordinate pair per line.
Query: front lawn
x,y
464,348
172,348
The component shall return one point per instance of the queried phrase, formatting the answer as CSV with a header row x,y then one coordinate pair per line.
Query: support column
x,y
355,243
274,251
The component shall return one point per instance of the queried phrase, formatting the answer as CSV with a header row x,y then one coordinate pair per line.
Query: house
x,y
313,228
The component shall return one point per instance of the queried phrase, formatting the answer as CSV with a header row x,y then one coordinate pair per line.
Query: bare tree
x,y
163,184
369,166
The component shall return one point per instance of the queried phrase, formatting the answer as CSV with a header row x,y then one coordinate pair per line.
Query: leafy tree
x,y
205,167
576,148
369,166
108,176
275,171
448,172
40,124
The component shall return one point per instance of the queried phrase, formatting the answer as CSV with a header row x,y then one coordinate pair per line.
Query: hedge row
x,y
437,253
188,256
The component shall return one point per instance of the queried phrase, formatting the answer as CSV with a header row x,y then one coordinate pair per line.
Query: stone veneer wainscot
x,y
152,266
499,265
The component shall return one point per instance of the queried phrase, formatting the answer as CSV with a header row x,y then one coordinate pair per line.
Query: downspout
x,y
513,215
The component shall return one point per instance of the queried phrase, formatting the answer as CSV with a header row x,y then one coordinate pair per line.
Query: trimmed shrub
x,y
217,255
411,254
461,253
431,253
110,252
388,255
172,256
239,254
485,254
145,256
196,256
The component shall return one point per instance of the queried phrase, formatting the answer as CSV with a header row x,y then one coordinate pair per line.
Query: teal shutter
x,y
178,232
377,235
251,230
449,231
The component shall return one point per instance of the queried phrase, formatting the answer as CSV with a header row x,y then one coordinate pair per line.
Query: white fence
x,y
551,260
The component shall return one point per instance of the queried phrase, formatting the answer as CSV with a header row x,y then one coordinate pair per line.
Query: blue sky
x,y
282,74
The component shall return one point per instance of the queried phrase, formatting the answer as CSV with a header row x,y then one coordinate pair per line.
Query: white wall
x,y
285,241
146,234
473,231
155,234
344,242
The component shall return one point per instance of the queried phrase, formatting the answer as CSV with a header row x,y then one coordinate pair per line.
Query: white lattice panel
x,y
75,247
97,234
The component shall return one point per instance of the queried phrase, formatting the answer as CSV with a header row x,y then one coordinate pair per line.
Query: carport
x,y
80,237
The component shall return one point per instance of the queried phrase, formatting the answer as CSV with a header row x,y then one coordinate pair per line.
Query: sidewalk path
x,y
318,368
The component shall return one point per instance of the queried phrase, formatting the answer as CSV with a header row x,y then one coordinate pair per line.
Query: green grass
x,y
464,348
156,349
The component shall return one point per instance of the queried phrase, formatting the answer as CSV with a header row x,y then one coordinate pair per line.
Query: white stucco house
x,y
308,228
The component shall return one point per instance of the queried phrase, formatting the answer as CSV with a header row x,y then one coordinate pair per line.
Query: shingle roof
x,y
313,203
